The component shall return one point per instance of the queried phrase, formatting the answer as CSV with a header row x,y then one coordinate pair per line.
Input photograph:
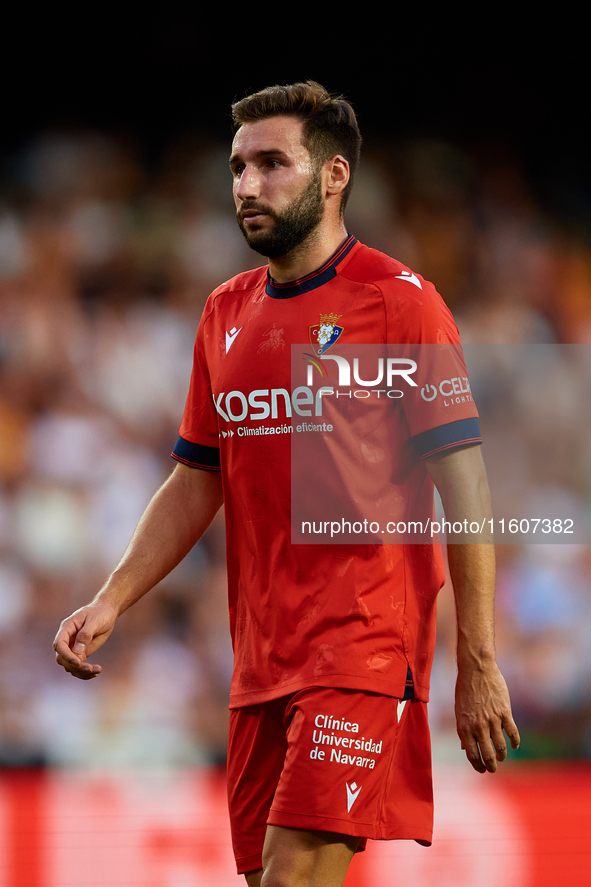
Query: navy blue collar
x,y
310,281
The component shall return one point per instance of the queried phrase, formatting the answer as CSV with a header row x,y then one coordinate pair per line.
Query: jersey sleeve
x,y
198,441
439,407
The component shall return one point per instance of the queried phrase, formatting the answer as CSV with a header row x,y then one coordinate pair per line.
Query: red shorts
x,y
341,761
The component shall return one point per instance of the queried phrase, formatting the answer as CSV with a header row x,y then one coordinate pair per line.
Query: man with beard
x,y
329,742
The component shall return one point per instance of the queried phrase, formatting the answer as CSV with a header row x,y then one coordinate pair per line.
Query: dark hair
x,y
330,126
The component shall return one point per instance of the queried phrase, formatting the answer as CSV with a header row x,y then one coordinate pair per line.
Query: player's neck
x,y
309,256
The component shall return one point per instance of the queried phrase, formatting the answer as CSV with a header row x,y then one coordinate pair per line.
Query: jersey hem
x,y
393,689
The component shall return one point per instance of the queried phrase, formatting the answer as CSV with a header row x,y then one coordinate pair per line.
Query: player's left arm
x,y
483,707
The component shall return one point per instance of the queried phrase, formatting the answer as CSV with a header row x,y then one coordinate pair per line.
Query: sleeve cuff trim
x,y
464,432
196,455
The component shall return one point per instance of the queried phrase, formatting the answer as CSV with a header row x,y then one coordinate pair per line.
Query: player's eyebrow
x,y
276,152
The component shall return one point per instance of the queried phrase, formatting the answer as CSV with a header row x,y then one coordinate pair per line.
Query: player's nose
x,y
247,185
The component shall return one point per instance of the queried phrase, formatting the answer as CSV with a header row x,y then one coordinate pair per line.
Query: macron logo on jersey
x,y
230,337
352,794
412,278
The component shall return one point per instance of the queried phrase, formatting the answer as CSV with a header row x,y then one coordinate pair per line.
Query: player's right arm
x,y
173,522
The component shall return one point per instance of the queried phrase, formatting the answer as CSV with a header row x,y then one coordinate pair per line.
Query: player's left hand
x,y
483,712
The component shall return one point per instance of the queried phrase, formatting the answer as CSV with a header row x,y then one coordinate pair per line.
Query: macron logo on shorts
x,y
352,794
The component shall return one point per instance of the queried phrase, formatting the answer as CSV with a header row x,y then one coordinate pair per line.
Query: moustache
x,y
251,206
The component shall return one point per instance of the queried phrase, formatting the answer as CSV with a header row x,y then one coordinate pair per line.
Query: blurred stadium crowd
x,y
106,260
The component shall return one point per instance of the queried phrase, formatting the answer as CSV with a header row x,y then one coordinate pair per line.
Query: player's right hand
x,y
80,635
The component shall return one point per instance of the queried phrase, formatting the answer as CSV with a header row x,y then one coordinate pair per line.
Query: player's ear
x,y
337,175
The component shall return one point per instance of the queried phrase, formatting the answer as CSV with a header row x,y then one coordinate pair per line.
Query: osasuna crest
x,y
323,335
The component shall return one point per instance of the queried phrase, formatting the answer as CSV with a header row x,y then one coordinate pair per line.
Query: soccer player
x,y
329,742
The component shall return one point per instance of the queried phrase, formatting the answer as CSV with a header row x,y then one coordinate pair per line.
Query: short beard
x,y
291,227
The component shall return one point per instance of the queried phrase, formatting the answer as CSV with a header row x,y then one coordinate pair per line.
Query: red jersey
x,y
355,616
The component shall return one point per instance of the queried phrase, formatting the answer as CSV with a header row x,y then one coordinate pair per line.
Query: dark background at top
x,y
501,82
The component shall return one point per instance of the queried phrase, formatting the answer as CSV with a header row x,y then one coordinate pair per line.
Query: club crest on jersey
x,y
323,335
